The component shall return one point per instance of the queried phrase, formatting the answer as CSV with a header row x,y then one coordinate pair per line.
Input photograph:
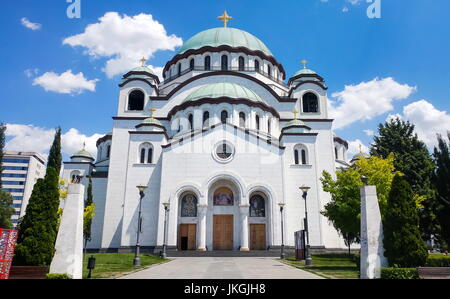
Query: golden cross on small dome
x,y
84,145
143,60
304,62
152,111
225,18
295,111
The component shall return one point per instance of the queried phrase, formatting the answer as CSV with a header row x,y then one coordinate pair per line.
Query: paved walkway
x,y
222,268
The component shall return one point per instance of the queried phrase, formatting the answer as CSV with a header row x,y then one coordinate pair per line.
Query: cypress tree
x,y
54,156
88,214
402,242
414,161
441,179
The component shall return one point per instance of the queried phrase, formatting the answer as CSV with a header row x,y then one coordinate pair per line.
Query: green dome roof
x,y
305,72
83,153
295,122
142,69
218,90
151,121
225,36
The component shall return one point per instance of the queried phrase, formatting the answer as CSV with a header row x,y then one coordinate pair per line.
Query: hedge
x,y
58,276
438,262
399,273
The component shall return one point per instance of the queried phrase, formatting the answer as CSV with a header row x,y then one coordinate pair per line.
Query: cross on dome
x,y
304,62
295,111
225,18
143,60
152,111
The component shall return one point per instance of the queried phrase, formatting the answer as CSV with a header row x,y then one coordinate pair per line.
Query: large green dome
x,y
225,36
218,90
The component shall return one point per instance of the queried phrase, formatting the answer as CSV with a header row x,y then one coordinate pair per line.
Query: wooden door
x,y
188,237
223,232
257,236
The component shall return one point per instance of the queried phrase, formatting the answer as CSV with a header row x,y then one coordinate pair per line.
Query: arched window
x,y
146,153
179,69
304,157
189,206
269,126
224,116
205,119
257,206
191,64
224,62
99,155
269,71
142,155
310,103
242,120
223,197
256,65
108,151
136,100
207,63
191,121
336,152
300,155
257,123
74,175
150,155
241,64
296,161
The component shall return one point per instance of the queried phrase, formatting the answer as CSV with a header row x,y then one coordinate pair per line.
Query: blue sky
x,y
409,44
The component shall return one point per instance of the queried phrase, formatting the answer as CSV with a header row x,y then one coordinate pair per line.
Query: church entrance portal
x,y
257,237
187,235
223,232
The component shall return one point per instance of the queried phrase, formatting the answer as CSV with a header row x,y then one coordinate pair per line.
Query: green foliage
x,y
344,209
438,262
89,207
414,161
403,244
54,156
2,146
441,180
399,273
6,209
38,228
58,276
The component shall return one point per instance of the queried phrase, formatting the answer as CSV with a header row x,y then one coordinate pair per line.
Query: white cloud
x,y
35,139
66,83
124,40
428,121
366,100
31,72
369,132
33,26
356,146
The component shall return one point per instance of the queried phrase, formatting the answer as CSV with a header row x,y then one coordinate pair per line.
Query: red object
x,y
8,240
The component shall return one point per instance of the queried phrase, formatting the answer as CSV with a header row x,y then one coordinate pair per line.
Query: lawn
x,y
111,265
339,266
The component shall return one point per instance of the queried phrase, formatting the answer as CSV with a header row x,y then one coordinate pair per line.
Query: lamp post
x,y
282,230
137,258
308,259
166,209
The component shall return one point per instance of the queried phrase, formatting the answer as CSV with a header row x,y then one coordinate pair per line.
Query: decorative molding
x,y
139,79
142,73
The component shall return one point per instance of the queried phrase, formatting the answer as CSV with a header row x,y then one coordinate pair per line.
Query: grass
x,y
112,265
438,256
334,266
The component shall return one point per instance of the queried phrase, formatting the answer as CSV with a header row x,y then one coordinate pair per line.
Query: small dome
x,y
83,153
305,71
142,69
295,122
218,90
225,36
151,121
360,155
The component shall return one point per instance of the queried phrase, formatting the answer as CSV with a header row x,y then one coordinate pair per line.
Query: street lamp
x,y
282,232
308,259
166,209
137,258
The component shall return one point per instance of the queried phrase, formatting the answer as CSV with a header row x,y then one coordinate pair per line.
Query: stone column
x,y
244,227
372,250
68,257
202,210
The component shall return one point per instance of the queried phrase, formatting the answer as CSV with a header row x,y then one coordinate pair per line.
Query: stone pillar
x,y
202,210
372,250
244,227
68,257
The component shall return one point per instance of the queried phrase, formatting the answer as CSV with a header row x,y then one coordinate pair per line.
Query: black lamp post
x,y
282,230
308,259
137,258
166,209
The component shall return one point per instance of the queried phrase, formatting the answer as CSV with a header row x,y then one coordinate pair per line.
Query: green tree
x,y
89,207
344,209
441,179
403,244
54,156
6,209
37,233
414,161
2,146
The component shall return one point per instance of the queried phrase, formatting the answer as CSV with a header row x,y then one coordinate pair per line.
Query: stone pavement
x,y
222,268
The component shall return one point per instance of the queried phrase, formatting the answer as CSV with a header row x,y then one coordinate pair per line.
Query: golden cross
x,y
225,18
84,145
295,111
143,60
304,62
152,110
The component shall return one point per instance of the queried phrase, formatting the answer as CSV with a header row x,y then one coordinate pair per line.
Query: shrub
x,y
58,276
399,273
438,262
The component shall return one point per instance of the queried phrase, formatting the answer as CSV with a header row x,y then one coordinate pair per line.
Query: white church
x,y
224,141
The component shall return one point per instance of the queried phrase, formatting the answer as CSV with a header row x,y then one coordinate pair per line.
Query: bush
x,y
58,276
438,262
399,273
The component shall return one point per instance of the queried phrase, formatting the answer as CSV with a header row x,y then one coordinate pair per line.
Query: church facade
x,y
224,142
